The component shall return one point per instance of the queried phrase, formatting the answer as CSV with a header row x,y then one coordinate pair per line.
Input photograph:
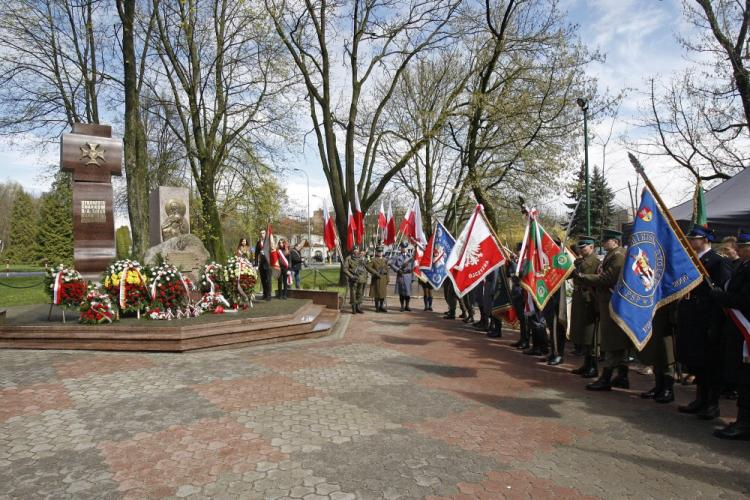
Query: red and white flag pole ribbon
x,y
57,290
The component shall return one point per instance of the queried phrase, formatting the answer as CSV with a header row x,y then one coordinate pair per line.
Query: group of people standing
x,y
288,260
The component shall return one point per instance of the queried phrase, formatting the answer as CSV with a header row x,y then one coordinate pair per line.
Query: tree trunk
x,y
212,236
136,167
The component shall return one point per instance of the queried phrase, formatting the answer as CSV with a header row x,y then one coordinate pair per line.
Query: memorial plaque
x,y
169,213
187,262
93,227
93,157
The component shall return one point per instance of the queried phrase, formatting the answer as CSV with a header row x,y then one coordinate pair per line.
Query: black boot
x,y
593,370
696,406
406,308
603,383
621,381
711,410
354,309
401,300
738,430
658,387
382,306
429,303
424,299
359,309
584,367
554,359
667,393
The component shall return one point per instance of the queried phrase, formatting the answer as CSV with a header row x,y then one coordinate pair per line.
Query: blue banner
x,y
441,248
658,270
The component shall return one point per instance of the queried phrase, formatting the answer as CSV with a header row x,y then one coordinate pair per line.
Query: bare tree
x,y
226,76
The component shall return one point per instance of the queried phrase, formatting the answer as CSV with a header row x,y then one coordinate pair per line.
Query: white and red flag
x,y
475,255
382,221
351,229
425,260
329,229
269,249
412,225
359,218
390,227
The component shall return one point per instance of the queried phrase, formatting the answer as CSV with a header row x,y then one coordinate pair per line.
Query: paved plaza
x,y
391,406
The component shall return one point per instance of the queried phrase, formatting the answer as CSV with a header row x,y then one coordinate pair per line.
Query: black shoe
x,y
592,372
692,408
534,351
602,383
462,315
516,344
555,360
354,309
494,334
469,319
450,316
584,368
710,412
651,394
665,396
359,309
737,431
621,382
522,346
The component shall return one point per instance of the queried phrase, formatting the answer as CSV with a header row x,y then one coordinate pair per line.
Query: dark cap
x,y
611,234
404,244
697,232
585,240
743,237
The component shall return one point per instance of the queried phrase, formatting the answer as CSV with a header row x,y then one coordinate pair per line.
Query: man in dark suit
x,y
264,269
698,338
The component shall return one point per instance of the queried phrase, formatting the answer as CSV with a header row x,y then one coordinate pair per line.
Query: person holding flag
x,y
735,334
583,314
698,346
613,340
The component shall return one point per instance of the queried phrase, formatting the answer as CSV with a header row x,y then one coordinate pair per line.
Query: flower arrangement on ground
x,y
213,279
168,288
65,286
96,307
240,280
125,283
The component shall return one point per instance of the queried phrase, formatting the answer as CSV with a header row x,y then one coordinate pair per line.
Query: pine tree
x,y
54,239
23,229
602,203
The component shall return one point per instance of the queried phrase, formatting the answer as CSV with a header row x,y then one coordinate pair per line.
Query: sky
x,y
639,40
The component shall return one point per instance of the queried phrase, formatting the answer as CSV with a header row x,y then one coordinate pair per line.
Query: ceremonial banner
x,y
412,225
269,249
436,255
351,229
501,302
475,254
359,218
658,270
382,221
700,218
543,266
390,227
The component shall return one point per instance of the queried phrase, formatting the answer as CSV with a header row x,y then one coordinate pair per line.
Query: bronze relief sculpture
x,y
175,223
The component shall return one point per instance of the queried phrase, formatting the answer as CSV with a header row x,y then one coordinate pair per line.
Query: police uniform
x,y
613,340
378,269
735,352
356,273
403,266
583,313
698,317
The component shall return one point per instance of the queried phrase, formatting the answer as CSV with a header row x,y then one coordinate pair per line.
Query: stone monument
x,y
169,213
90,153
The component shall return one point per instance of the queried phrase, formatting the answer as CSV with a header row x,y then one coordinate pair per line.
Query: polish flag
x,y
390,227
359,218
476,254
412,225
269,249
425,262
382,221
351,229
329,229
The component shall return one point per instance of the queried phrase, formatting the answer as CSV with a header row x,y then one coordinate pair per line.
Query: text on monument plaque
x,y
93,211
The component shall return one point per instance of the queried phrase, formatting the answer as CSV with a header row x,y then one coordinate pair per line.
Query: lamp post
x,y
309,231
584,105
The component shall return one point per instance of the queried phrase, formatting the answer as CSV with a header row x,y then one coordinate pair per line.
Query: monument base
x,y
307,320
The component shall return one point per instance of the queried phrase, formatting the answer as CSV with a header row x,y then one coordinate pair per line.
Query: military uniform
x,y
698,338
356,273
583,314
403,266
659,353
378,269
736,366
613,340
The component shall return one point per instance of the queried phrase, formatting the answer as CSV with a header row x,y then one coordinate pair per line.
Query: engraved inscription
x,y
93,211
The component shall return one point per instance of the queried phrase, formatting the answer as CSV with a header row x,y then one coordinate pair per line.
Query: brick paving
x,y
399,406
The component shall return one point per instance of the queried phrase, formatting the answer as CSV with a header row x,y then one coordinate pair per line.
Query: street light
x,y
309,231
584,105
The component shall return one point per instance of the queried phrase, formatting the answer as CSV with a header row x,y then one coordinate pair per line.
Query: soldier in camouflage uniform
x,y
356,273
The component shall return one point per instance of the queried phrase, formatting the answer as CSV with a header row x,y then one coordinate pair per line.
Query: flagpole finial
x,y
636,164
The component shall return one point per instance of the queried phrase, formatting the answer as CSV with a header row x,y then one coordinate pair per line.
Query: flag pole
x,y
675,227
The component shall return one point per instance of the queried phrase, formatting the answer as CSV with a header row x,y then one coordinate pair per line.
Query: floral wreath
x,y
97,307
126,285
65,286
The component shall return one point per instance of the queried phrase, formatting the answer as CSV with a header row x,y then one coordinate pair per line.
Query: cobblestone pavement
x,y
399,406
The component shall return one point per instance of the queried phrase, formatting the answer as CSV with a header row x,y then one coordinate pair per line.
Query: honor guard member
x,y
613,340
698,317
736,348
403,266
378,269
659,354
356,272
583,313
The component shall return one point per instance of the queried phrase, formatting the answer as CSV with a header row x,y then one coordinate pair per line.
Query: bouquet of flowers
x,y
65,286
212,278
96,308
169,289
240,280
213,302
126,286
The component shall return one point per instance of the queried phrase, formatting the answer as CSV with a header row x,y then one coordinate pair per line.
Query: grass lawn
x,y
22,296
19,267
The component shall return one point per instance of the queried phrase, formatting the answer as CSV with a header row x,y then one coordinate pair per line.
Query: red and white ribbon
x,y
57,289
743,325
123,283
